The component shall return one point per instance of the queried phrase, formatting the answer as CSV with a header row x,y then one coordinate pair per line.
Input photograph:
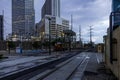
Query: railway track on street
x,y
40,70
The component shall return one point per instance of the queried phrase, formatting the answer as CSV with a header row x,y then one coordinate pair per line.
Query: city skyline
x,y
85,13
72,39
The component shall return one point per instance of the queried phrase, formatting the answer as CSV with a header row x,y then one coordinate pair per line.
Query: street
x,y
74,68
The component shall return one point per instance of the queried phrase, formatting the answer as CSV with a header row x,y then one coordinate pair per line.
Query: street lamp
x,y
49,18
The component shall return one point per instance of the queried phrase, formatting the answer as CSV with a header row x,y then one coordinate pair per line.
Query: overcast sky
x,y
86,13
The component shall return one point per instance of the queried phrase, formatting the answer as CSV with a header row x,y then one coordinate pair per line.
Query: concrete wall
x,y
115,66
116,51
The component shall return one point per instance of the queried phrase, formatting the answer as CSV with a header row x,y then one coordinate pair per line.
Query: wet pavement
x,y
90,68
65,72
78,74
17,62
13,65
96,69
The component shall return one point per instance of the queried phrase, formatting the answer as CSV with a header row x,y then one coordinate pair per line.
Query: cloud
x,y
38,5
87,13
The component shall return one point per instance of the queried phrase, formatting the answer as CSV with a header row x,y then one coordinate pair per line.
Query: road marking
x,y
97,59
81,68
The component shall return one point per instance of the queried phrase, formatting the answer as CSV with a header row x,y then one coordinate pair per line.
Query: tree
x,y
36,45
11,45
45,44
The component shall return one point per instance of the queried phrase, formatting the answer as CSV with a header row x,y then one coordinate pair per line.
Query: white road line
x,y
97,58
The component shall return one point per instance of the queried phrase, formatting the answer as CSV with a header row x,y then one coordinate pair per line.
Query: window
x,y
115,48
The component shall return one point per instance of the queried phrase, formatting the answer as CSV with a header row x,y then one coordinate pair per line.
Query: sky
x,y
85,13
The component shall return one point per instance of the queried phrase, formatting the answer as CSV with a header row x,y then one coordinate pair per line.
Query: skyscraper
x,y
116,12
23,16
51,7
1,27
115,5
55,25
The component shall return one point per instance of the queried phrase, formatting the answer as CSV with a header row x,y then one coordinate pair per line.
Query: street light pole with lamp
x,y
49,19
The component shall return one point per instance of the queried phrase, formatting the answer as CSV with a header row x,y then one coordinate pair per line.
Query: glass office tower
x,y
23,16
116,14
51,7
115,5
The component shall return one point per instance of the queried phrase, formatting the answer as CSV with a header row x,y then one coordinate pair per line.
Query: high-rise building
x,y
55,25
115,13
51,7
23,16
1,27
115,5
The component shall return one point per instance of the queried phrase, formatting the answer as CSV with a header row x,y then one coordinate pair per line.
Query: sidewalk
x,y
96,70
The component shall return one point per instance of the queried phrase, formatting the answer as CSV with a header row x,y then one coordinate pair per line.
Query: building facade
x,y
51,7
100,48
112,41
57,25
115,5
115,12
1,28
23,16
113,60
52,21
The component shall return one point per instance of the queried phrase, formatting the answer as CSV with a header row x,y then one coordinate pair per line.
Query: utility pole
x,y
71,22
28,26
3,14
71,37
80,39
3,23
80,34
91,34
49,36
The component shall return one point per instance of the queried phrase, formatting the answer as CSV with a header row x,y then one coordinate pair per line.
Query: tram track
x,y
34,70
59,72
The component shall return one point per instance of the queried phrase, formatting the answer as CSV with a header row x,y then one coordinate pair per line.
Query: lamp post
x,y
49,37
49,19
